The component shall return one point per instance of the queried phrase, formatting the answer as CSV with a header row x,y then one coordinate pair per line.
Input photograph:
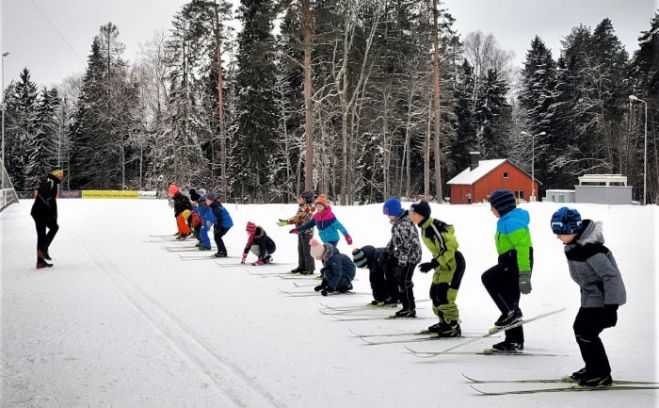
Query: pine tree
x,y
41,147
257,108
20,124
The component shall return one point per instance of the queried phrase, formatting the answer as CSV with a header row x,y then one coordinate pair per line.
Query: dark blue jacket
x,y
338,270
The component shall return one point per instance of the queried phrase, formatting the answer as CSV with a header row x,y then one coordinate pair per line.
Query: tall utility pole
x,y
308,113
4,54
437,90
645,148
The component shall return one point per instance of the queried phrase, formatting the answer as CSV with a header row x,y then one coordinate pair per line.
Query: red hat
x,y
251,227
172,190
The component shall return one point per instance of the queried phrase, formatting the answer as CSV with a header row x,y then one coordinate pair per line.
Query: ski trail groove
x,y
238,387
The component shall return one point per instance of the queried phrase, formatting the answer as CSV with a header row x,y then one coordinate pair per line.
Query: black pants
x,y
305,261
587,327
379,284
403,277
502,283
45,238
218,233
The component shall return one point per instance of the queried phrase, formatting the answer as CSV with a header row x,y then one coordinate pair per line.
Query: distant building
x,y
603,189
482,177
560,196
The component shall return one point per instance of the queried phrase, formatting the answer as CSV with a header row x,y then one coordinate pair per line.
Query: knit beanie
x,y
392,207
251,227
211,196
307,196
503,201
194,196
422,208
317,249
202,191
172,190
57,173
566,221
359,257
322,200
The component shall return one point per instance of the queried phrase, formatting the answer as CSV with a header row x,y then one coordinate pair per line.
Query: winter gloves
x,y
259,262
294,231
525,283
428,266
282,223
610,316
348,239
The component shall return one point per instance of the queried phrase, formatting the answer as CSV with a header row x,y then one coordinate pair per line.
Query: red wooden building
x,y
482,177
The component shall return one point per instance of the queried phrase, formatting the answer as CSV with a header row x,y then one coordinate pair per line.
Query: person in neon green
x,y
448,265
512,273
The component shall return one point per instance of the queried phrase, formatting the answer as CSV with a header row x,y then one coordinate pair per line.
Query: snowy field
x,y
120,322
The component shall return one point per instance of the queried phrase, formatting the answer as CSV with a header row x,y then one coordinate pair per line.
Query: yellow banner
x,y
109,194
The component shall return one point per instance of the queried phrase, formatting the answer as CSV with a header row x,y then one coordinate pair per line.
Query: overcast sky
x,y
53,53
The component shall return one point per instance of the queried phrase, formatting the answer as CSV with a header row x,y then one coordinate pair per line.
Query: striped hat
x,y
359,257
503,201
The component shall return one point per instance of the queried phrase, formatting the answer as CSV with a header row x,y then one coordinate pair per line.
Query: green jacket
x,y
439,238
513,235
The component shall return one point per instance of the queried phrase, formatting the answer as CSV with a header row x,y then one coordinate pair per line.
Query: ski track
x,y
238,387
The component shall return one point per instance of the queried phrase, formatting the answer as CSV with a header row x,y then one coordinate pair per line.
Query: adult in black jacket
x,y
384,288
44,213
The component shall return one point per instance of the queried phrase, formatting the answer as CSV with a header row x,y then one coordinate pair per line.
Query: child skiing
x,y
207,221
259,243
328,225
383,285
402,253
44,213
305,262
512,273
594,269
223,223
182,210
448,265
338,271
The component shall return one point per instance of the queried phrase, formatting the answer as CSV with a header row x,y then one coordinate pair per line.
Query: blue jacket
x,y
338,270
227,222
207,221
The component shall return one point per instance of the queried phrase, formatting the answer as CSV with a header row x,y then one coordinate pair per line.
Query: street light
x,y
645,148
2,85
533,162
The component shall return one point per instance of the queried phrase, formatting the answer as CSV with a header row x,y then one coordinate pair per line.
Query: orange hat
x,y
172,190
322,200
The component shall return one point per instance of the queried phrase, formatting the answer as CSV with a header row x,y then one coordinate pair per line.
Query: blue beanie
x,y
392,207
503,201
566,221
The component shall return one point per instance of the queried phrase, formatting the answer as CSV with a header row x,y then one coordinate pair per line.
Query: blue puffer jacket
x,y
227,222
207,221
338,270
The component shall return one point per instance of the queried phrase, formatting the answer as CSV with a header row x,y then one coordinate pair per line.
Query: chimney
x,y
474,158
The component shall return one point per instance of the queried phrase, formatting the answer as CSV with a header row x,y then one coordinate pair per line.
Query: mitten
x,y
281,222
428,266
348,240
610,315
242,261
525,283
259,262
294,231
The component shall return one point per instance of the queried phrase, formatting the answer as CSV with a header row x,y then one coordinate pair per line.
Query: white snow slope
x,y
120,322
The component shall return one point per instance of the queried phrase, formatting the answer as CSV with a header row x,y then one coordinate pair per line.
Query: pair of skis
x,y
568,386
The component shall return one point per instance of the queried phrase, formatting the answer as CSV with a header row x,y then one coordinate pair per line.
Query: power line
x,y
56,30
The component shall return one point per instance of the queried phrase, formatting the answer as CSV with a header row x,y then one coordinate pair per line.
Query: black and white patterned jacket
x,y
404,248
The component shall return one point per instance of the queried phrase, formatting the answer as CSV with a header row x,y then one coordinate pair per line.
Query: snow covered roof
x,y
470,177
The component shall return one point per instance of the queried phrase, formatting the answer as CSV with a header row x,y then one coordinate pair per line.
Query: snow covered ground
x,y
120,322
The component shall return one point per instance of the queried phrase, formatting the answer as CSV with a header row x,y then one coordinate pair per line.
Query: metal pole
x,y
532,168
645,155
3,112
